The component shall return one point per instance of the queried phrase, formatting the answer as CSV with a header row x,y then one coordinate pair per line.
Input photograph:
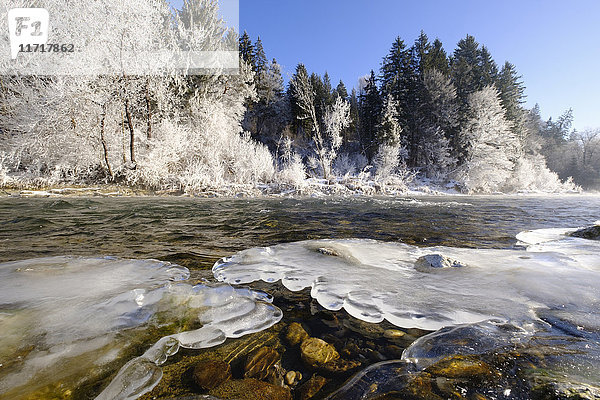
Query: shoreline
x,y
315,189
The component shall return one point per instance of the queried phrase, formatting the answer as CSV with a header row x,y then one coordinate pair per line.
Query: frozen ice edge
x,y
374,281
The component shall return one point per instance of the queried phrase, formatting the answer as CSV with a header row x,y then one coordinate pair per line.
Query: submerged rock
x,y
250,389
338,366
425,263
261,363
591,233
295,334
316,352
310,388
461,367
292,378
210,374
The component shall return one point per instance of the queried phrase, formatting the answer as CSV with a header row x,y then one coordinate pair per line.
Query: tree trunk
x,y
103,141
148,112
131,133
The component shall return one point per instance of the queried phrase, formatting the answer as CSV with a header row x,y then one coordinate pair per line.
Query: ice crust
x,y
374,281
68,315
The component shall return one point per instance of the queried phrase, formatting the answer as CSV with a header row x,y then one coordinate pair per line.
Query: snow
x,y
374,281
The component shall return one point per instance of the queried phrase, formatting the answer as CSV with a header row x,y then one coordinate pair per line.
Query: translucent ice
x,y
64,319
225,312
374,281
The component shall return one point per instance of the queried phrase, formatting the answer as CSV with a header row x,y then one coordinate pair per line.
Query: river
x,y
196,233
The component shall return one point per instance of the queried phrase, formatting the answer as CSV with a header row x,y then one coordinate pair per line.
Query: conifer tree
x,y
396,76
247,49
341,90
465,69
300,79
370,110
512,91
354,128
260,59
488,68
438,58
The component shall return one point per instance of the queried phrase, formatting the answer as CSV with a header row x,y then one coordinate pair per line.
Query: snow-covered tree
x,y
491,148
161,128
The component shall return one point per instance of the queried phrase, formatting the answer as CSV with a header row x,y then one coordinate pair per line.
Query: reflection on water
x,y
197,232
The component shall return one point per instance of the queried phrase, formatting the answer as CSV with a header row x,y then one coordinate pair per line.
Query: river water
x,y
197,232
62,250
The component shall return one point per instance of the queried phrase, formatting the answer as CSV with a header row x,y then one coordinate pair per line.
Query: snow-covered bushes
x,y
532,175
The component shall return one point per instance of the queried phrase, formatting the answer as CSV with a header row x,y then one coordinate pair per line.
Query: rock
x,y
210,374
328,252
260,363
591,233
567,391
426,263
316,352
338,366
366,329
250,389
393,334
459,366
295,334
292,378
310,388
420,388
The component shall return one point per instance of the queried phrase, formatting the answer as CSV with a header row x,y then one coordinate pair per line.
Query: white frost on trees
x,y
490,146
169,131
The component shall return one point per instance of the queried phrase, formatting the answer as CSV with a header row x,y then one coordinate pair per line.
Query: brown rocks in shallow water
x,y
591,233
295,334
461,367
432,262
338,366
260,363
292,378
366,329
310,388
316,352
420,388
210,374
393,334
250,389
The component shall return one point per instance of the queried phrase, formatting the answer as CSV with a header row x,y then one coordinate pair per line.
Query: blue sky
x,y
554,44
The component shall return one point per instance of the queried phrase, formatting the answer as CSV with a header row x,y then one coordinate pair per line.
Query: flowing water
x,y
76,234
197,232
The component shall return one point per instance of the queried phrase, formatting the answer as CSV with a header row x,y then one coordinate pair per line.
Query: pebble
x,y
317,352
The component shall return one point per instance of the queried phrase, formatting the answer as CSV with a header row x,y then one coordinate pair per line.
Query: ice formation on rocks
x,y
66,318
374,281
225,312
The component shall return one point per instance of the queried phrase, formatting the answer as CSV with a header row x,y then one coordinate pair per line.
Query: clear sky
x,y
555,44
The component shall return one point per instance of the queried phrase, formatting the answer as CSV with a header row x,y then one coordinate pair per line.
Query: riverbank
x,y
310,188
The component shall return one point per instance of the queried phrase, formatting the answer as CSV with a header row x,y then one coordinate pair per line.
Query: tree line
x,y
454,120
457,117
